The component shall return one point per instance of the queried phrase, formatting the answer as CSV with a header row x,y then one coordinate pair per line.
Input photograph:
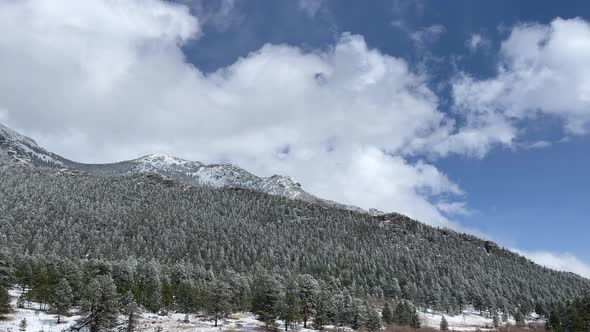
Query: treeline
x,y
103,290
163,225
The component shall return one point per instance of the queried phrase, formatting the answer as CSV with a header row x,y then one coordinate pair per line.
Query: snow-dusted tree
x,y
308,290
62,301
131,310
217,300
387,314
101,304
373,322
290,307
444,325
266,295
496,320
5,306
22,326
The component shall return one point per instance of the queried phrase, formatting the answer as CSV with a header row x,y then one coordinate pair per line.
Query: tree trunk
x,y
286,325
130,324
215,320
58,318
305,316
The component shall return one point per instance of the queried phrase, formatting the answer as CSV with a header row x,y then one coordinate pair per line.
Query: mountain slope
x,y
147,217
19,148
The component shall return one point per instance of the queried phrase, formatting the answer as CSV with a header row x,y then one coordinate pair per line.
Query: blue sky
x,y
461,114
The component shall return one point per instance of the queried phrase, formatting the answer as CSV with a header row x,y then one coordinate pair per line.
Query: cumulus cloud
x,y
543,69
102,81
560,262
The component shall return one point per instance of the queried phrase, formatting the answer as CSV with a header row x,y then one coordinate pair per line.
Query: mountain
x,y
143,225
22,149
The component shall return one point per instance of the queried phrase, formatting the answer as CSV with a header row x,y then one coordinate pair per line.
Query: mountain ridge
x,y
22,149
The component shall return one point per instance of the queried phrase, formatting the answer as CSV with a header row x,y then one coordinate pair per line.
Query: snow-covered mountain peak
x,y
17,147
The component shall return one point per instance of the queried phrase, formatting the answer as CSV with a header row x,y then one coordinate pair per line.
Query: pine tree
x,y
387,314
444,325
519,318
373,322
266,298
496,320
130,309
63,299
101,303
217,301
290,305
22,327
308,290
5,306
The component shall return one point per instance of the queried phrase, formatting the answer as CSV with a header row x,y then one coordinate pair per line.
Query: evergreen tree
x,y
131,310
290,305
387,314
22,327
217,301
186,296
101,303
5,307
266,297
496,320
519,318
444,325
63,299
358,314
373,322
308,290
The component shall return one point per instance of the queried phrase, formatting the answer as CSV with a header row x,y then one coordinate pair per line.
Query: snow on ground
x,y
38,321
469,320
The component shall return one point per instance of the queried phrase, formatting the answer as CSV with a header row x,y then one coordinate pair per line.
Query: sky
x,y
461,114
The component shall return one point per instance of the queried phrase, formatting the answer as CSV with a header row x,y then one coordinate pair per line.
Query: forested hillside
x,y
160,238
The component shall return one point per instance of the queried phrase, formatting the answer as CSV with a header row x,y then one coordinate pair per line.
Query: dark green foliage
x,y
290,308
572,317
62,301
266,296
387,314
5,306
405,314
130,310
5,272
100,303
444,325
22,326
373,320
217,300
308,291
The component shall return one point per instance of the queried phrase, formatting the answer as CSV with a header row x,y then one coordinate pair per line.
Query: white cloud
x,y
453,208
544,69
425,36
477,42
104,81
560,262
310,7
